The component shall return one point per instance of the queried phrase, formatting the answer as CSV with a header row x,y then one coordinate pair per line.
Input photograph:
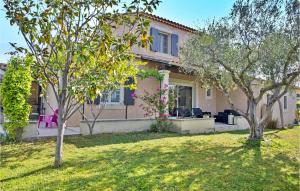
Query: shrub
x,y
161,126
272,124
154,127
15,92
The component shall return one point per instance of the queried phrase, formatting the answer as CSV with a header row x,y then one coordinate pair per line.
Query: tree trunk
x,y
281,113
59,140
62,84
256,129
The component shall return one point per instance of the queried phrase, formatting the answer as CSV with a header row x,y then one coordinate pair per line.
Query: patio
x,y
31,131
49,132
182,126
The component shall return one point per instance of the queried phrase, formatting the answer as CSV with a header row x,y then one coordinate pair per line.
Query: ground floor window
x,y
110,97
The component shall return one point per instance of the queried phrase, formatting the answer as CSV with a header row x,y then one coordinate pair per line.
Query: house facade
x,y
168,37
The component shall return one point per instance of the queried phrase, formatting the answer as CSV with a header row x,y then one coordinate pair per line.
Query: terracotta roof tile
x,y
171,23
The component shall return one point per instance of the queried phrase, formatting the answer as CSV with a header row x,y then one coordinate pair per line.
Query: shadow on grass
x,y
187,165
123,138
46,168
20,152
109,139
191,165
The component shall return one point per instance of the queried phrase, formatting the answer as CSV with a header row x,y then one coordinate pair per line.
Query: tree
x,y
256,47
80,47
95,106
15,92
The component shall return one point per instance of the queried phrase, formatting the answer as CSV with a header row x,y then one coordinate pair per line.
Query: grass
x,y
150,161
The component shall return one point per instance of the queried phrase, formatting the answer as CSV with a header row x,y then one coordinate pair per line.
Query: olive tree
x,y
80,47
256,47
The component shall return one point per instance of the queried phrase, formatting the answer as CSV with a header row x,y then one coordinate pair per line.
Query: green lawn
x,y
149,161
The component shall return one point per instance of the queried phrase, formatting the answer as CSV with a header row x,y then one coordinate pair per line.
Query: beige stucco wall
x,y
289,113
50,100
238,98
117,126
193,126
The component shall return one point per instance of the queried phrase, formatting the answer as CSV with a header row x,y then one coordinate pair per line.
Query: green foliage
x,y
161,126
143,74
154,127
156,161
15,92
172,99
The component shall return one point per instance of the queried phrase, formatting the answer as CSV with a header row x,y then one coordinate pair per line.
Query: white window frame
x,y
211,93
161,45
287,103
114,103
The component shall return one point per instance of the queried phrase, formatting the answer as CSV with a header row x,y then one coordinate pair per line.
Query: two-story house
x,y
168,37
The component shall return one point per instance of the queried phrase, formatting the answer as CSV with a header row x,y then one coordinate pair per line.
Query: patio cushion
x,y
197,112
180,112
187,113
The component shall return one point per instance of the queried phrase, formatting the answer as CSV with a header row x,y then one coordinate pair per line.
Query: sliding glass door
x,y
183,95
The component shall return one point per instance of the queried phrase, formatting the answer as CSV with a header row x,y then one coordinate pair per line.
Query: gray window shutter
x,y
174,45
155,39
128,99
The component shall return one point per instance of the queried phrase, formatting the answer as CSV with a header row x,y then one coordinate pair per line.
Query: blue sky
x,y
192,13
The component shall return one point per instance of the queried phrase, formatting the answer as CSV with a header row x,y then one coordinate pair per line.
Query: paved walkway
x,y
50,132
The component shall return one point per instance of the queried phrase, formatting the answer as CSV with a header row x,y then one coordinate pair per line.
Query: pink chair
x,y
48,119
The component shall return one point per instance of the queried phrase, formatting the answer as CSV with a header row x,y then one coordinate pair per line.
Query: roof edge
x,y
169,22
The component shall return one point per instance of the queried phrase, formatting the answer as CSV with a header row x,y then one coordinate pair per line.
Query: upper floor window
x,y
164,42
285,102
